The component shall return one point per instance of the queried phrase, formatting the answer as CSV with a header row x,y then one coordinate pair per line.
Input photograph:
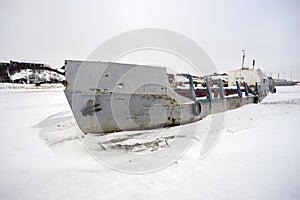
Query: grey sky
x,y
52,31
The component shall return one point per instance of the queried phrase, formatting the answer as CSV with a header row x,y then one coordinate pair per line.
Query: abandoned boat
x,y
107,97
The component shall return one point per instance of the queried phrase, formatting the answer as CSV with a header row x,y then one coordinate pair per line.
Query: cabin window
x,y
242,78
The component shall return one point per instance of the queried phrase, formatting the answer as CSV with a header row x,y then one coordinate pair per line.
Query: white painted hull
x,y
144,101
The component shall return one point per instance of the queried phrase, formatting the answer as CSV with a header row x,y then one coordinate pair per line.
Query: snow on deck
x,y
42,155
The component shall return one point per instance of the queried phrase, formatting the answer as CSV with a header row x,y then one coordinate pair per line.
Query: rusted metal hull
x,y
101,106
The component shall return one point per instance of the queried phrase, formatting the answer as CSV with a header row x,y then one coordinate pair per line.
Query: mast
x,y
243,58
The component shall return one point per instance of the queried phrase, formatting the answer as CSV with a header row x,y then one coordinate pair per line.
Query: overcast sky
x,y
52,31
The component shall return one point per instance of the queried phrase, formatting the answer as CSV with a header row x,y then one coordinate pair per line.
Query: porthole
x,y
121,85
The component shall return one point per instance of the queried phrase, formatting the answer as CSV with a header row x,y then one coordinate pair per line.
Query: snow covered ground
x,y
43,155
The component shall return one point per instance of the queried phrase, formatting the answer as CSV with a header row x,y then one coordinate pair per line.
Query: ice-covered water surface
x,y
42,156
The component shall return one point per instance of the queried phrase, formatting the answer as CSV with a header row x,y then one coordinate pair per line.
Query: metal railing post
x,y
192,90
246,89
238,89
221,89
208,90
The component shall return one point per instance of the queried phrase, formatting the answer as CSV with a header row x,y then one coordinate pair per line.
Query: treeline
x,y
24,72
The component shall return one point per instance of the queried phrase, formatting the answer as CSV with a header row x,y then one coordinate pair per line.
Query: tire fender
x,y
255,100
196,108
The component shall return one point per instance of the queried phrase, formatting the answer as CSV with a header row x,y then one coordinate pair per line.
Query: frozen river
x,y
44,156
